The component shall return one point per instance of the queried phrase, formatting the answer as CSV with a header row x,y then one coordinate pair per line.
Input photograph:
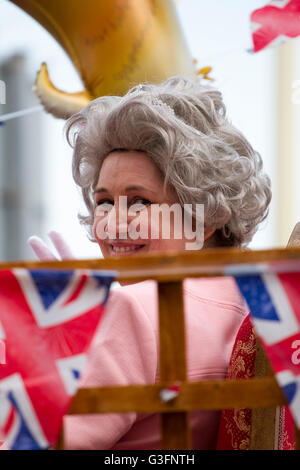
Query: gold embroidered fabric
x,y
235,425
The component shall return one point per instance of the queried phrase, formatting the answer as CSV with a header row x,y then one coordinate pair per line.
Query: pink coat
x,y
125,351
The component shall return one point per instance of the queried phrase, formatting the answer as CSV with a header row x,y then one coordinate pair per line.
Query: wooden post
x,y
263,419
297,438
60,441
175,432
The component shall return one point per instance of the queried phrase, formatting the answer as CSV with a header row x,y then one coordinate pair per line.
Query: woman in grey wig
x,y
168,144
183,128
178,133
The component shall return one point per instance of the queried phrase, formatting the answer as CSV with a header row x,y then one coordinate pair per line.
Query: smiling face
x,y
134,175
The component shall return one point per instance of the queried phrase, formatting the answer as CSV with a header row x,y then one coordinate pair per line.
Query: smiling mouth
x,y
118,250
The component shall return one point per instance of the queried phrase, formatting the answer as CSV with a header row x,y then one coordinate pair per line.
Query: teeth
x,y
123,249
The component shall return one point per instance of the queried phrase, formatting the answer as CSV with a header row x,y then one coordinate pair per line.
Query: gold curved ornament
x,y
114,44
59,103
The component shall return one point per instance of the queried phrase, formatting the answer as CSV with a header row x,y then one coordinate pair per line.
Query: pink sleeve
x,y
124,352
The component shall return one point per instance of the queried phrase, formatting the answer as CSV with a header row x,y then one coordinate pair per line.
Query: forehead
x,y
129,165
123,169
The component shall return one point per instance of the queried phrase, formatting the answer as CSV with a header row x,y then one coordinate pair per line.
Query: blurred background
x,y
37,192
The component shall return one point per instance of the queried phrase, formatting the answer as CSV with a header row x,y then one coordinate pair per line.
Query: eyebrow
x,y
128,188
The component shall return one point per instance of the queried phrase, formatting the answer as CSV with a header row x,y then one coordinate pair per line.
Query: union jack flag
x,y
47,323
275,23
274,302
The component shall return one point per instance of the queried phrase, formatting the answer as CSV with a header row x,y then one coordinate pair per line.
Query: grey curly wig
x,y
182,125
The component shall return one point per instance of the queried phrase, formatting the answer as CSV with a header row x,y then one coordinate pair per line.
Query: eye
x,y
140,200
137,205
104,201
102,207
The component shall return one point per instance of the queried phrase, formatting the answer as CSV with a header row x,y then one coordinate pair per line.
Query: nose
x,y
117,224
118,220
113,222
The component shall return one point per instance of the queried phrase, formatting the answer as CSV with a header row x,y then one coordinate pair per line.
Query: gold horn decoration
x,y
114,44
57,102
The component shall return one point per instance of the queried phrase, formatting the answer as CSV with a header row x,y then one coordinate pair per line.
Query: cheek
x,y
98,229
169,225
169,233
149,226
139,226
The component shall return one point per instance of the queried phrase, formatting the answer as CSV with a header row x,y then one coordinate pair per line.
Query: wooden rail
x,y
165,267
206,395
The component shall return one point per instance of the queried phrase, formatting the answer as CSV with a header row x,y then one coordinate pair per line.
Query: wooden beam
x,y
60,441
294,239
297,438
175,429
171,332
206,395
168,267
263,422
